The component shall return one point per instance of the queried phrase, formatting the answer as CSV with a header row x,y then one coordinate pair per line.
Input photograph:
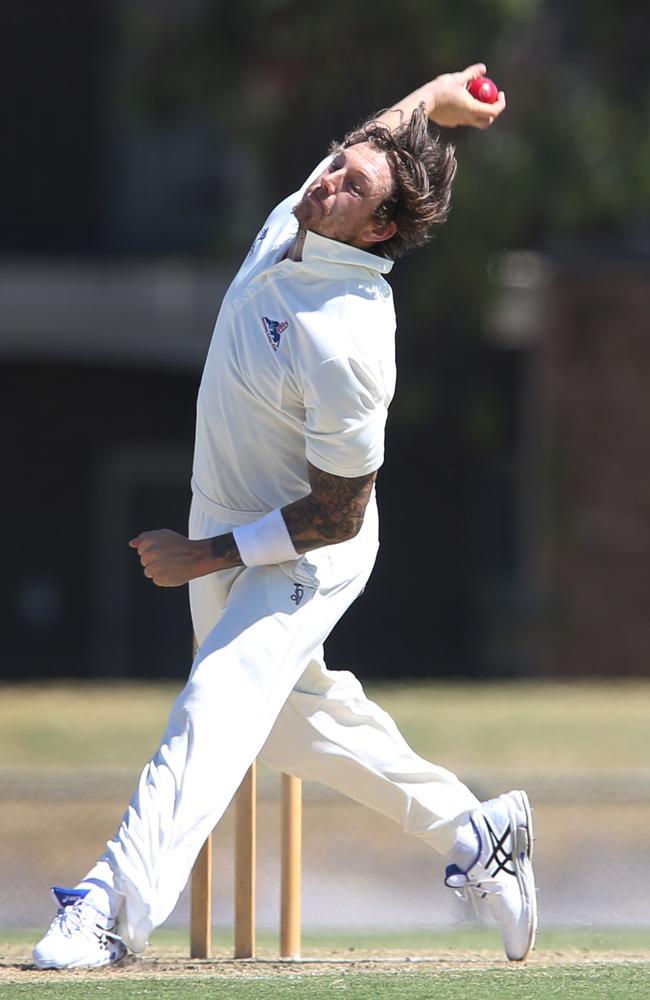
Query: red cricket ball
x,y
483,90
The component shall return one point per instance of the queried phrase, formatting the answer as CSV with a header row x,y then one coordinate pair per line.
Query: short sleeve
x,y
345,418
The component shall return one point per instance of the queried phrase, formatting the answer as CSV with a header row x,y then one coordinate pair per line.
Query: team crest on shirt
x,y
274,328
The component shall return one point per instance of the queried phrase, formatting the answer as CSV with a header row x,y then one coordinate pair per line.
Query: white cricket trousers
x,y
259,686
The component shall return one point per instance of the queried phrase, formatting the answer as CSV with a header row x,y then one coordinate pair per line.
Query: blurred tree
x,y
281,78
268,83
172,127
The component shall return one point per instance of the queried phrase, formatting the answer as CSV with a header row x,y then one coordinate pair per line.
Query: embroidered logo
x,y
258,239
298,594
274,328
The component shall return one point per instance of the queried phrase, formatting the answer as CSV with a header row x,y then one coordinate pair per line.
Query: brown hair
x,y
423,170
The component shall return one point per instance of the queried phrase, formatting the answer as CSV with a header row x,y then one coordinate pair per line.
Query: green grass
x,y
609,982
418,940
343,943
564,968
549,728
35,729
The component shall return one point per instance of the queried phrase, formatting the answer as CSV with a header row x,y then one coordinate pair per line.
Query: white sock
x,y
466,847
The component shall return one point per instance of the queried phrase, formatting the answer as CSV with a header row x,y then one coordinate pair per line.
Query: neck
x,y
295,248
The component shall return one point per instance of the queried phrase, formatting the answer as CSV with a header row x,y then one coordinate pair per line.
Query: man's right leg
x,y
243,674
241,677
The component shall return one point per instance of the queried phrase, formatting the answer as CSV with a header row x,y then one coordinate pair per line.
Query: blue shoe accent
x,y
456,878
453,870
79,937
68,897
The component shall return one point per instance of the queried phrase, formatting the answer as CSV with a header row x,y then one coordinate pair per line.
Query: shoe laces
x,y
485,877
494,853
80,917
472,887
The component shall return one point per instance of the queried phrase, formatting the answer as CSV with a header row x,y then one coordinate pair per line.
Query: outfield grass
x,y
573,731
173,941
608,982
462,939
569,965
546,728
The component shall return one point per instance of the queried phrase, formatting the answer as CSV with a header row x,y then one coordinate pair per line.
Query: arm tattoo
x,y
225,548
332,512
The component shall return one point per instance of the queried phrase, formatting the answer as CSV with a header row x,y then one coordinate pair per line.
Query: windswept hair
x,y
423,170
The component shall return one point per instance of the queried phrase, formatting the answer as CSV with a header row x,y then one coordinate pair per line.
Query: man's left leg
x,y
329,731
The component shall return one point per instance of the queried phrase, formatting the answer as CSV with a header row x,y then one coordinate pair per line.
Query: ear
x,y
378,234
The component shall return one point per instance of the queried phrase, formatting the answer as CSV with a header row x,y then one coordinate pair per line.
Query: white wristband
x,y
266,541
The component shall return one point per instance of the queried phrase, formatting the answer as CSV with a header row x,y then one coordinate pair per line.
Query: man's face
x,y
341,203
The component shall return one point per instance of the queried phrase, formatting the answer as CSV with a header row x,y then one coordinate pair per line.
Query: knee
x,y
197,695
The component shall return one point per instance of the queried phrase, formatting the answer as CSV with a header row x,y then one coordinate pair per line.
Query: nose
x,y
331,181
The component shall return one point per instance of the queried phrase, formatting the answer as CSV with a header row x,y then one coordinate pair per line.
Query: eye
x,y
356,188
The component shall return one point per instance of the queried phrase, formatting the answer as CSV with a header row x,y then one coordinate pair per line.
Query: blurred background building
x,y
144,143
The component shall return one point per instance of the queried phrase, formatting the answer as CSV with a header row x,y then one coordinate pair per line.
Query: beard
x,y
335,225
310,217
307,213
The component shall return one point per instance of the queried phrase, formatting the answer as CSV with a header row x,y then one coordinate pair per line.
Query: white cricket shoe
x,y
79,936
501,881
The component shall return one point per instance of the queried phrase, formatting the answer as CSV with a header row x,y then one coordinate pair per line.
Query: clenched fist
x,y
170,559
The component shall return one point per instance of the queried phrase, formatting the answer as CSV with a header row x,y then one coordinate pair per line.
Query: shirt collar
x,y
321,248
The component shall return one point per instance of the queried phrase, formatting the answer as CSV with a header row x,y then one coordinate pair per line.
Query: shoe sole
x,y
522,856
80,965
42,964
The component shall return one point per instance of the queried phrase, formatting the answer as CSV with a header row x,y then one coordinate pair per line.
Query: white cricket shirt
x,y
301,368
